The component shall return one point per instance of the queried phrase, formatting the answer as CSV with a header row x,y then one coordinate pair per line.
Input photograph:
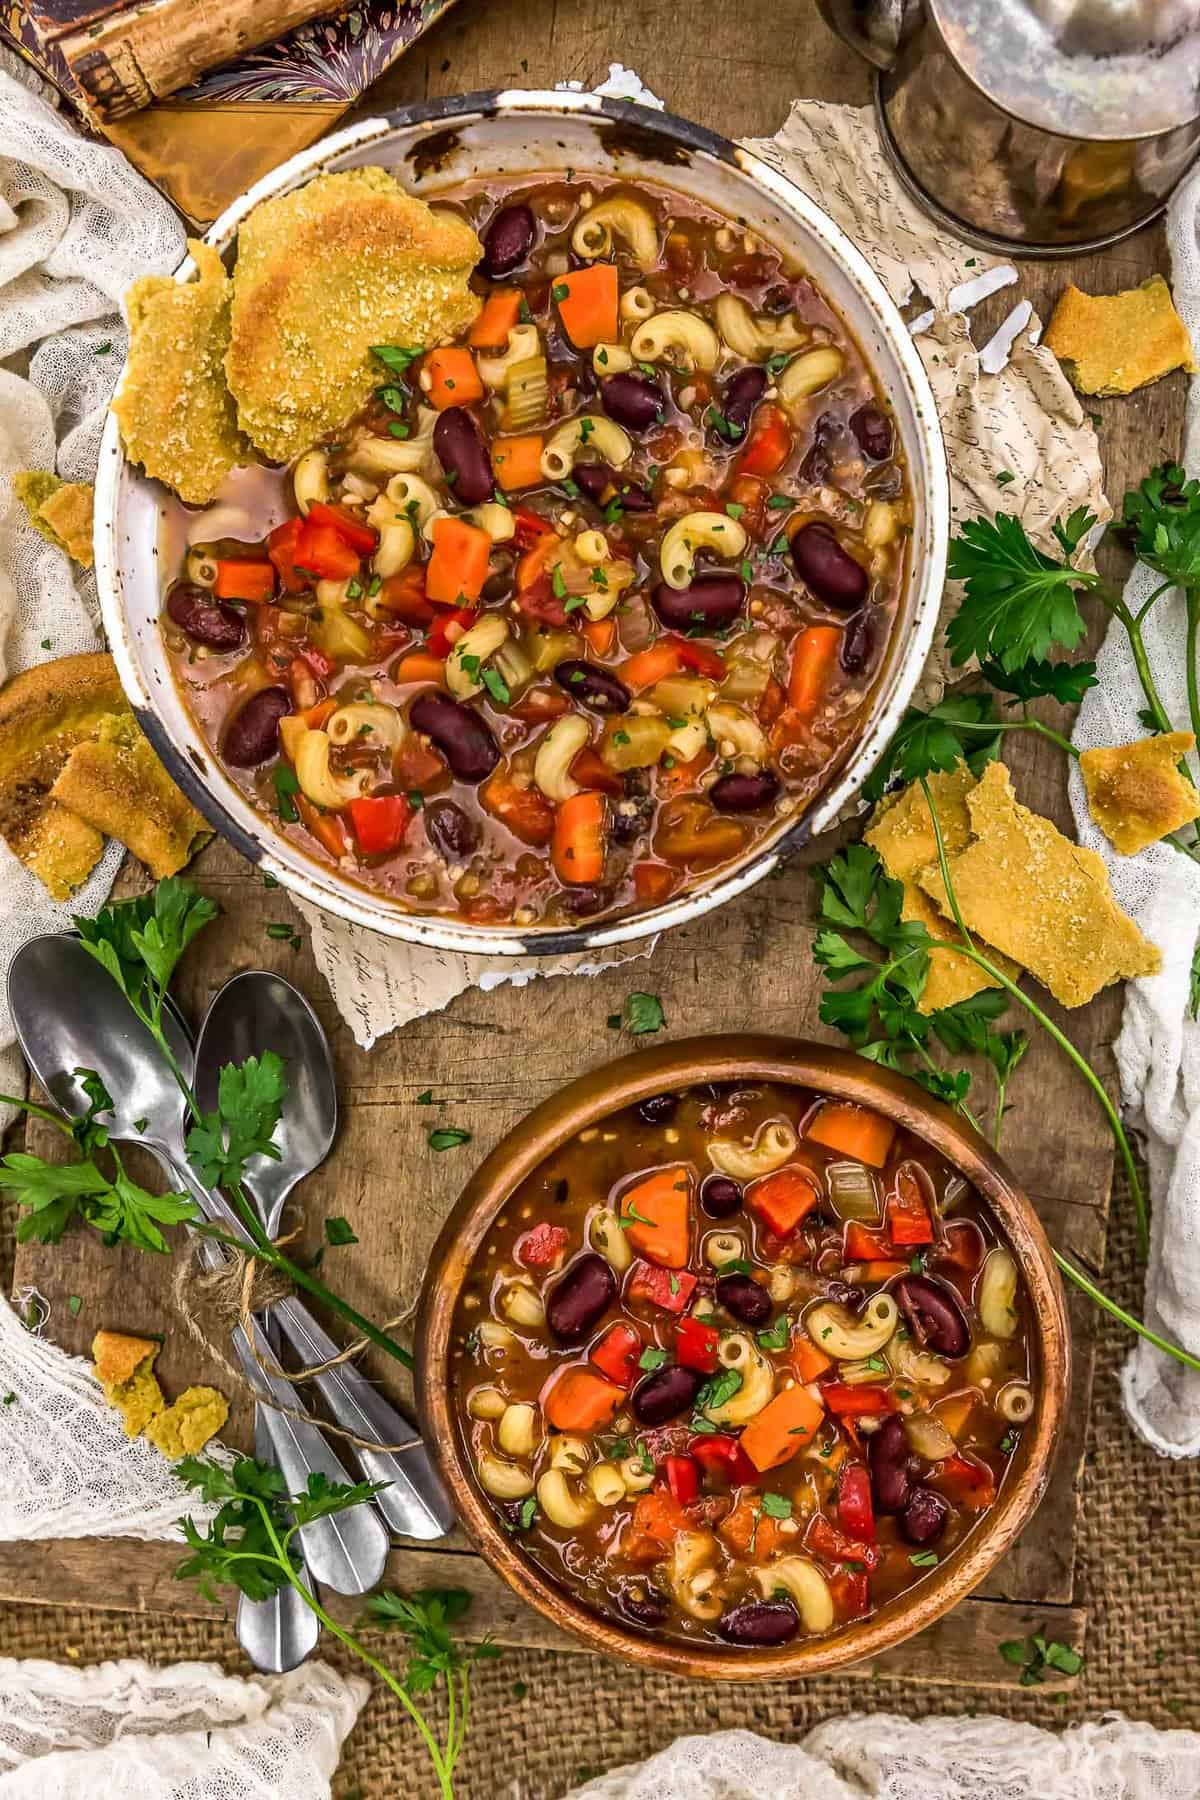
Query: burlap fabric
x,y
539,1721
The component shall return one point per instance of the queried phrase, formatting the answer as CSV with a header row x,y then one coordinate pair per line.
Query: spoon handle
x,y
276,1634
415,1504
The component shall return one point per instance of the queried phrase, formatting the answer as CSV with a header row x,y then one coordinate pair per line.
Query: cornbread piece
x,y
323,273
902,837
1114,343
60,510
187,1425
115,783
1135,792
1043,900
124,1367
44,713
176,415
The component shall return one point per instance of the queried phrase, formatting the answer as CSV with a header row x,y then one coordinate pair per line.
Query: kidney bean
x,y
720,1196
663,1395
507,241
593,478
210,622
452,834
463,454
759,1622
831,572
873,432
925,1516
659,1109
739,397
744,793
584,901
464,738
593,686
892,1465
252,735
633,498
579,1300
859,643
934,1314
712,601
816,467
641,1604
744,1298
852,1298
634,401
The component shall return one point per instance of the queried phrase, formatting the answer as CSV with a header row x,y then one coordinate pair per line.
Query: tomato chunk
x,y
825,1540
696,1346
856,1513
380,822
724,1456
908,1217
672,1289
543,1246
856,1400
617,1354
683,1478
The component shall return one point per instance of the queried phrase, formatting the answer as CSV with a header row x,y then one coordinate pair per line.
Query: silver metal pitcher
x,y
1044,127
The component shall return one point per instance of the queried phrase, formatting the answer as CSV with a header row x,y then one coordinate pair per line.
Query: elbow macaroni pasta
x,y
754,335
774,1145
555,754
677,337
737,1352
620,217
464,665
602,435
997,1293
808,374
369,722
850,1337
694,532
310,479
806,1586
317,780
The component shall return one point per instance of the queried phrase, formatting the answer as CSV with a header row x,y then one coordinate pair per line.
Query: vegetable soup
x,y
741,1364
582,607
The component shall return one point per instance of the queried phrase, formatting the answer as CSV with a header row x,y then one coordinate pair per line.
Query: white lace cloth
x,y
880,1756
1158,1050
77,225
125,1731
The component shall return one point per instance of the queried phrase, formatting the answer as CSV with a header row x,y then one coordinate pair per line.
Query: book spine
x,y
149,52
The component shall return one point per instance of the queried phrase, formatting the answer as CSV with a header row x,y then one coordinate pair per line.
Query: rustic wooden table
x,y
489,1057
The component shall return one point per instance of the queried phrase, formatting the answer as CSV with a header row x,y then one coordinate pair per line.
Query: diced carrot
x,y
238,579
652,664
403,596
591,771
860,1244
853,1131
653,882
517,461
576,1399
907,1212
458,567
814,654
327,828
587,304
967,1482
750,1533
281,548
783,1427
769,444
955,1411
315,716
783,1198
453,377
601,635
361,538
682,777
807,1361
418,666
500,313
657,1210
532,566
657,1521
577,849
525,810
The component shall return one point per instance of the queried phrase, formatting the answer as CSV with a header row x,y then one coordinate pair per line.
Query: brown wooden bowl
x,y
746,1057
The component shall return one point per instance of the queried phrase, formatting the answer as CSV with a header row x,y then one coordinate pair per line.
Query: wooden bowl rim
x,y
793,1062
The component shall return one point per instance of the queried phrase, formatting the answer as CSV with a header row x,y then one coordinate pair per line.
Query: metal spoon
x,y
90,1026
257,1011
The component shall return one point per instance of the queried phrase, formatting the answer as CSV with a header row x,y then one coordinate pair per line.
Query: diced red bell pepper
x,y
848,1400
323,553
696,1345
851,1591
240,579
720,1455
380,822
856,1514
530,526
542,1246
783,1199
967,1482
683,1478
617,1354
699,657
672,1289
281,548
831,1545
861,1244
769,444
440,642
907,1210
352,531
961,1246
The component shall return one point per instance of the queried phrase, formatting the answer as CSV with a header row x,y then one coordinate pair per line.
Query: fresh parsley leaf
x,y
139,942
1019,603
718,1389
57,1193
924,1559
960,728
1065,682
339,1231
448,1137
286,785
397,357
250,1098
777,1506
1162,517
74,1305
777,1335
653,1359
643,1014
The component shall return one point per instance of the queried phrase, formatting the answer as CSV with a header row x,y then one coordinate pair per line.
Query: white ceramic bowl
x,y
431,148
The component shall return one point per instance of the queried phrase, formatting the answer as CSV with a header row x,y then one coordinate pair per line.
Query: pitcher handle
x,y
875,28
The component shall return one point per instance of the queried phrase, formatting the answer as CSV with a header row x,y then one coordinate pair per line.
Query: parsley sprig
x,y
250,1545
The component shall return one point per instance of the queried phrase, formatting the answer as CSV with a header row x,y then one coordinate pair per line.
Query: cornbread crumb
x,y
1135,792
124,1367
1114,343
60,510
186,1426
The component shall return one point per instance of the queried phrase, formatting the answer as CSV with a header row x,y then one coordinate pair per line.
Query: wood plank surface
x,y
489,1057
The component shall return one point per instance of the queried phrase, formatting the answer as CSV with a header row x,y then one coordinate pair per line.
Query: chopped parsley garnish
x,y
559,291
776,1337
496,686
924,1559
284,934
777,1506
559,583
448,1137
397,357
286,785
631,1217
653,1359
339,1231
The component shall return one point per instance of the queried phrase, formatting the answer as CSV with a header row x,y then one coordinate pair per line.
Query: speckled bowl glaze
x,y
431,148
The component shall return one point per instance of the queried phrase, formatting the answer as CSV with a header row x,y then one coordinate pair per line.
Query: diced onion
x,y
852,1192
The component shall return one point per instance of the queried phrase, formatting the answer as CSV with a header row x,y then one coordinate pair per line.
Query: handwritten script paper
x,y
1007,411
